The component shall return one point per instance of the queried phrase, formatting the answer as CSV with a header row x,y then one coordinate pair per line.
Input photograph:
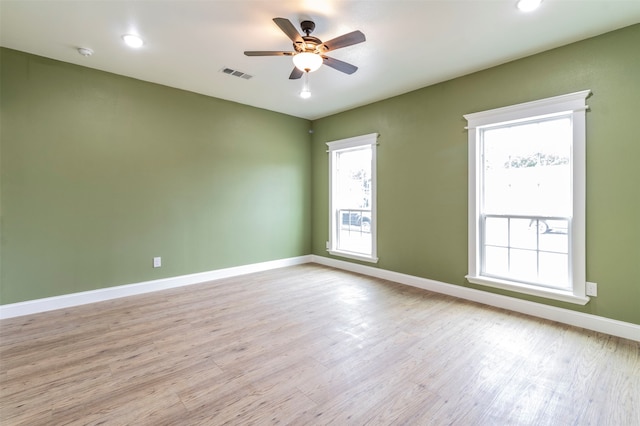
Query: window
x,y
527,198
352,198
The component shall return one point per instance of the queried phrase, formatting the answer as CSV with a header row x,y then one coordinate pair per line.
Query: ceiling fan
x,y
308,51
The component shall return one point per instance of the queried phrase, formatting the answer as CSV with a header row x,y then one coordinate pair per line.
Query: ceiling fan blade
x,y
267,53
344,40
339,65
296,74
287,27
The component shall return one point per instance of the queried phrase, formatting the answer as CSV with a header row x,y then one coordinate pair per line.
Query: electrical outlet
x,y
592,289
157,262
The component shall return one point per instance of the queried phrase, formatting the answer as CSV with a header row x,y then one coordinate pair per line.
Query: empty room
x,y
319,212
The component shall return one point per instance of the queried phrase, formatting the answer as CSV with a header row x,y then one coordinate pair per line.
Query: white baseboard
x,y
99,295
566,316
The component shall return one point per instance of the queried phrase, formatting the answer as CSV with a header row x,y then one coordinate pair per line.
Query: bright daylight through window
x,y
527,198
352,183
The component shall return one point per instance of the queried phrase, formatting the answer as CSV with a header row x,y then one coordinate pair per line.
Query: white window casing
x,y
336,210
574,106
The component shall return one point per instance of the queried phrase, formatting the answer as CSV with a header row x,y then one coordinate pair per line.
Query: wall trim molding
x,y
579,319
74,299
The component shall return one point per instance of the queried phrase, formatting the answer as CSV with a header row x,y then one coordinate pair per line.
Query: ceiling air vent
x,y
236,73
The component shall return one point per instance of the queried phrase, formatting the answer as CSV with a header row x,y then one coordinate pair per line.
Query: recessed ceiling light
x,y
132,40
528,5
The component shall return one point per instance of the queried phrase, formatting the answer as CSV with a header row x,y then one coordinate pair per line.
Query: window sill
x,y
563,296
353,256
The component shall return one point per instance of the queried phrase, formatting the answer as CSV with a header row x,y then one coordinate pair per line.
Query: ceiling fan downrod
x,y
307,27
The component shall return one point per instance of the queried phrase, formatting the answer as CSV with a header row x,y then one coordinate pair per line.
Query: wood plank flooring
x,y
310,345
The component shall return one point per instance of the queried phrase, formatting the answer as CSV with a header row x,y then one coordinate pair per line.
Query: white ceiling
x,y
410,43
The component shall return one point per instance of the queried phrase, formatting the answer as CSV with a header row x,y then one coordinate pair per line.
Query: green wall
x,y
100,173
422,165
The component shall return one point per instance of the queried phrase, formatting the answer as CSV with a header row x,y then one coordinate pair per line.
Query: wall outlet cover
x,y
157,262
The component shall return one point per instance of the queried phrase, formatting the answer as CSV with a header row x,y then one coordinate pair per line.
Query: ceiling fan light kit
x,y
307,61
308,51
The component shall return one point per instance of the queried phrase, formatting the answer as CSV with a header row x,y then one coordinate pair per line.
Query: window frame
x,y
343,145
574,105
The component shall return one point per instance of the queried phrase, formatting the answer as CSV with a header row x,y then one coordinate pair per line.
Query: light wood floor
x,y
309,345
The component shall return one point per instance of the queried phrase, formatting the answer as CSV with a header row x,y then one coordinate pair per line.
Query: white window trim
x,y
573,103
354,142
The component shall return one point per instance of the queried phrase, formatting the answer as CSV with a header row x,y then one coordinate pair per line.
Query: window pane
x,y
523,235
556,237
554,269
355,238
496,261
523,265
354,178
497,231
527,169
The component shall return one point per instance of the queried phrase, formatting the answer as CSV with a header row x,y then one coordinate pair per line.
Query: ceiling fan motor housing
x,y
309,44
